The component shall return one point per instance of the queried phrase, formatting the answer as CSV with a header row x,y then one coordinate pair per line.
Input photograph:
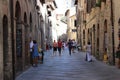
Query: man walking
x,y
59,46
70,46
54,47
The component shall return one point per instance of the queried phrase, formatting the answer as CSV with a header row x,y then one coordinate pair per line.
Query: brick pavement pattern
x,y
66,67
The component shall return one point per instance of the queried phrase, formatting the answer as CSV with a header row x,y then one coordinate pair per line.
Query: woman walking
x,y
35,53
88,52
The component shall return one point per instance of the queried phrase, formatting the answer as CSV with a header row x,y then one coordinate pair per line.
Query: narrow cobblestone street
x,y
66,67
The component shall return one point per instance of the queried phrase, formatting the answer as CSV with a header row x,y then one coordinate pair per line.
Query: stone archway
x,y
19,50
5,48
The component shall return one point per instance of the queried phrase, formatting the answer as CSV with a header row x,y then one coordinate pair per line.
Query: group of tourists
x,y
71,44
36,50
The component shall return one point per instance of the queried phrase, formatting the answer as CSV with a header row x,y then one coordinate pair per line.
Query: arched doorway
x,y
119,31
83,37
93,44
104,1
88,34
26,37
5,47
105,36
98,35
30,20
19,63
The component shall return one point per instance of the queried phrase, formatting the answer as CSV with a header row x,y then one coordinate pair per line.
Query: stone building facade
x,y
72,31
71,28
20,21
116,19
96,26
5,41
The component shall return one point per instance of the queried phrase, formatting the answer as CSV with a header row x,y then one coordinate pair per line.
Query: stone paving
x,y
74,67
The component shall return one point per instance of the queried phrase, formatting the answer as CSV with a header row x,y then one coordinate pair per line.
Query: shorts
x,y
54,48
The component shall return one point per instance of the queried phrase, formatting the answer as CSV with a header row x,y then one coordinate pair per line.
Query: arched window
x,y
90,4
5,46
30,20
83,34
105,35
103,1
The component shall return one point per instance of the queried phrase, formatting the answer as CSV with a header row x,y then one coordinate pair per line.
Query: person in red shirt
x,y
59,46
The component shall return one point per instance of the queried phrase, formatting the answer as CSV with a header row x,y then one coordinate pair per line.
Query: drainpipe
x,y
12,30
112,22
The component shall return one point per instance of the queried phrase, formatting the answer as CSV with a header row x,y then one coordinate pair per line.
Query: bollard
x,y
42,58
105,58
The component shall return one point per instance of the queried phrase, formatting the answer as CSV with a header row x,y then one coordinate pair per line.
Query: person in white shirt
x,y
31,51
88,52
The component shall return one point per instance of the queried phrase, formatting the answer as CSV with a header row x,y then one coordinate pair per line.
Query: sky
x,y
62,6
